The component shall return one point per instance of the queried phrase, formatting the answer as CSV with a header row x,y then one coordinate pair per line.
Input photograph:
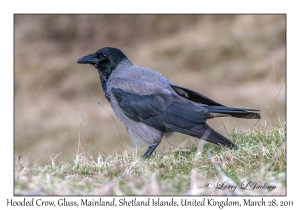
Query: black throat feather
x,y
104,74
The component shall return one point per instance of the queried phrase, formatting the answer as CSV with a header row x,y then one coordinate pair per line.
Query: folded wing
x,y
216,109
169,112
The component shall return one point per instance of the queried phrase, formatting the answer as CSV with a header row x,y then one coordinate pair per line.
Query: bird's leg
x,y
150,151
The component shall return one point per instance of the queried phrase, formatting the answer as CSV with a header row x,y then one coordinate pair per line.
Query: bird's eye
x,y
104,56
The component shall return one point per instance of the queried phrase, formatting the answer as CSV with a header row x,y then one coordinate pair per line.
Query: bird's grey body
x,y
151,107
146,83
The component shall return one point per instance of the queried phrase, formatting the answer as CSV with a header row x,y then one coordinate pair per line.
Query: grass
x,y
203,169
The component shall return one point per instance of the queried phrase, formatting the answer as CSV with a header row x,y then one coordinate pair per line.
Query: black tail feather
x,y
234,112
205,132
213,136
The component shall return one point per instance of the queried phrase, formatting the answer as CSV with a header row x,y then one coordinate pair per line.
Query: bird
x,y
151,107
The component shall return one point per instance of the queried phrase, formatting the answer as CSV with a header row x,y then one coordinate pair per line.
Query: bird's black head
x,y
103,59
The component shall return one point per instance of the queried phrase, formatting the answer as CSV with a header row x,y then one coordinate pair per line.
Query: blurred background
x,y
236,60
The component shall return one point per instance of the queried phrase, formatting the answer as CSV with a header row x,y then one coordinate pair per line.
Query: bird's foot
x,y
150,150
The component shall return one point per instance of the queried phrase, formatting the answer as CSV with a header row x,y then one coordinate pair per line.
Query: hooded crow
x,y
151,107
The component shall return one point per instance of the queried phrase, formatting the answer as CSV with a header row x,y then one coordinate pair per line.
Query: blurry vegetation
x,y
260,157
237,60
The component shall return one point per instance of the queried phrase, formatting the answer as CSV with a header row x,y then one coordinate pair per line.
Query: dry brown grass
x,y
202,170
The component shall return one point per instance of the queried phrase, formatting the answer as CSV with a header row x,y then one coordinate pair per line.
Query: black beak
x,y
89,59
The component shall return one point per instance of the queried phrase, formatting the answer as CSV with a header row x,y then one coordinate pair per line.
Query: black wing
x,y
215,109
169,112
160,110
194,96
